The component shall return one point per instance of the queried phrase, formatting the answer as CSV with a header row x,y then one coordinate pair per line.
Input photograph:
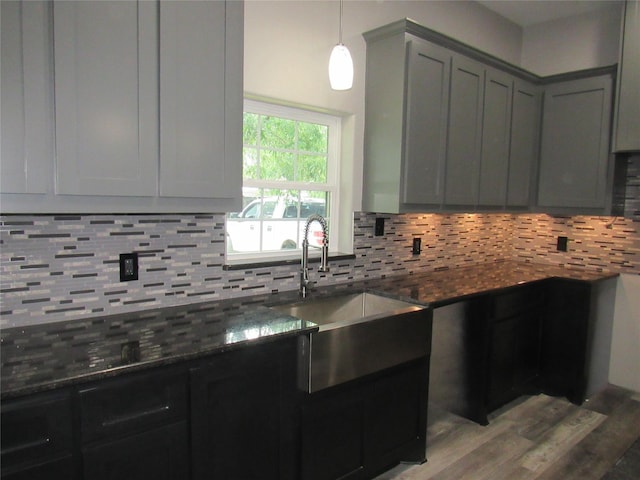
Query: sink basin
x,y
358,334
333,312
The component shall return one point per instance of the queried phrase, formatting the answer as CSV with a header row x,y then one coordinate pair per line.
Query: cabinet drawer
x,y
134,403
36,429
518,300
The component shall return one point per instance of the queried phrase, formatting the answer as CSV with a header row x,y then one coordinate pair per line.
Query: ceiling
x,y
530,12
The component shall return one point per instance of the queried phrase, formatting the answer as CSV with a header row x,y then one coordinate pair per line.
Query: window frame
x,y
332,184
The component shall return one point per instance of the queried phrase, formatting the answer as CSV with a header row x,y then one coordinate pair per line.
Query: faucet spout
x,y
305,282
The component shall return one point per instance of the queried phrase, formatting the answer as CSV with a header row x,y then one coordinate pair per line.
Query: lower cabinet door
x,y
333,435
396,418
359,429
237,416
37,437
159,454
502,367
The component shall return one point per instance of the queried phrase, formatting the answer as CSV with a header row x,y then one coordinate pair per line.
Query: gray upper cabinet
x,y
148,106
444,129
106,90
426,123
465,132
627,127
201,99
575,144
407,105
451,128
523,147
496,133
26,104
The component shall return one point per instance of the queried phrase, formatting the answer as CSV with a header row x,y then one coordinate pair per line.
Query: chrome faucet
x,y
305,283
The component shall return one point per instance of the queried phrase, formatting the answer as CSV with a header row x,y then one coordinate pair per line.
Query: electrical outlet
x,y
417,246
379,230
130,352
128,266
561,245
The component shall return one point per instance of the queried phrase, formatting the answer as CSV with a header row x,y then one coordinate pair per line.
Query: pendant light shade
x,y
340,68
340,64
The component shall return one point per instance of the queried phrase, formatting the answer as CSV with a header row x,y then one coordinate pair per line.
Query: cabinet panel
x,y
427,107
465,132
396,419
106,91
238,407
565,336
160,454
496,127
201,100
37,437
627,132
523,153
575,143
26,105
333,436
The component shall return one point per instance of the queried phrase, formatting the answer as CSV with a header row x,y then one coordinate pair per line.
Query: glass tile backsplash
x,y
57,267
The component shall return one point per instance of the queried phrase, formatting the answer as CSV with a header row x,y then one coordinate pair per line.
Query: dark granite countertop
x,y
47,356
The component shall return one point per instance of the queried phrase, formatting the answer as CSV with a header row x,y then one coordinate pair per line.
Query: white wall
x,y
287,47
573,43
624,369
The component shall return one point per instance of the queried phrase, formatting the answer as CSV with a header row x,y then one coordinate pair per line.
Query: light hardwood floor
x,y
538,437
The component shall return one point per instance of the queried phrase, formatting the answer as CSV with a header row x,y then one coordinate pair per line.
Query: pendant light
x,y
340,64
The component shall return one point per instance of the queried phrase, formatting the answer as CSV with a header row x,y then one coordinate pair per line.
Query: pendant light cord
x,y
340,37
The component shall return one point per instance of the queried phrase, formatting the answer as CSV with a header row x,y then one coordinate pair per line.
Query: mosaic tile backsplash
x,y
54,268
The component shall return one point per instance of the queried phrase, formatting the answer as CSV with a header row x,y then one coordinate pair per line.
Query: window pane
x,y
275,165
250,129
276,221
313,137
312,168
249,163
278,133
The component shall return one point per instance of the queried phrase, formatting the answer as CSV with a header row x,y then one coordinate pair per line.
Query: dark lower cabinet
x,y
528,339
134,427
37,438
357,430
514,358
566,335
158,454
514,344
242,414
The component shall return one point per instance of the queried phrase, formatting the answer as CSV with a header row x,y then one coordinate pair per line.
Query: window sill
x,y
244,264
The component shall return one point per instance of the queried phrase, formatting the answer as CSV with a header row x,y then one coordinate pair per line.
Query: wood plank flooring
x,y
537,437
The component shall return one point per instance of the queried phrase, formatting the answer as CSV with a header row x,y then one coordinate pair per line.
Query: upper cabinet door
x,y
27,108
106,97
427,105
201,99
496,127
465,132
627,132
523,153
575,143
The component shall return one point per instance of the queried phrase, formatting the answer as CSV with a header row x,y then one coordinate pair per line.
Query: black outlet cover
x,y
128,266
379,231
417,246
562,244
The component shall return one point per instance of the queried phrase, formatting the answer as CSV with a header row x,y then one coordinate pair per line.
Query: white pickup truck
x,y
275,222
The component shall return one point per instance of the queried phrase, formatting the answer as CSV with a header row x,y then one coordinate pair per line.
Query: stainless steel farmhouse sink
x,y
358,334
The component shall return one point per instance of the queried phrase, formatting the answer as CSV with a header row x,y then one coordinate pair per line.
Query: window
x,y
289,172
